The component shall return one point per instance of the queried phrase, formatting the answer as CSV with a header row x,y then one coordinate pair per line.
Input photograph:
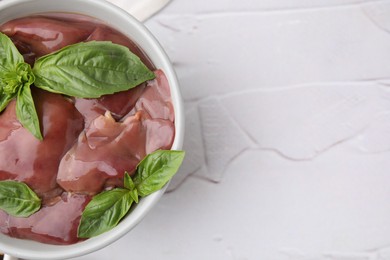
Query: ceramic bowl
x,y
125,23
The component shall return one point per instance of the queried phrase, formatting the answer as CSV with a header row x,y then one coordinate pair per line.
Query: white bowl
x,y
125,23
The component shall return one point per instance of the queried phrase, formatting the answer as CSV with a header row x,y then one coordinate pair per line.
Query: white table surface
x,y
288,133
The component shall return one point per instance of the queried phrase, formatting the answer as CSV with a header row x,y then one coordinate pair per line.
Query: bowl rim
x,y
34,250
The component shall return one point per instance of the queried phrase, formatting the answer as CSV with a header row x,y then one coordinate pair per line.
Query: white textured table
x,y
288,133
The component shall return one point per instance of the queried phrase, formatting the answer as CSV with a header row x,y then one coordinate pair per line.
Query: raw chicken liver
x,y
25,158
107,148
88,143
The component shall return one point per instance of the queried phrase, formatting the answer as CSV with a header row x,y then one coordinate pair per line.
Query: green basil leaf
x,y
90,70
134,195
156,169
17,199
104,212
129,184
9,54
106,209
26,113
4,101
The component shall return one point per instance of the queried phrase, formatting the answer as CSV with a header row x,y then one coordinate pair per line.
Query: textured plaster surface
x,y
287,133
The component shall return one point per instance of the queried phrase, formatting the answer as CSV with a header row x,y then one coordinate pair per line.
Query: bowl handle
x,y
141,9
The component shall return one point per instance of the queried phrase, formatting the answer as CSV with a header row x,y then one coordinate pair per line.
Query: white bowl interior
x,y
122,21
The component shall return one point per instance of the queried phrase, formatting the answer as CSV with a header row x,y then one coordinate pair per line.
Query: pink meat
x,y
107,148
102,33
40,35
156,99
53,224
37,36
153,97
118,104
23,157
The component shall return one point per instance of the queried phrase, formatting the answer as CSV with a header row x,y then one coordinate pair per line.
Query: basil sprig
x,y
106,209
17,199
87,70
15,79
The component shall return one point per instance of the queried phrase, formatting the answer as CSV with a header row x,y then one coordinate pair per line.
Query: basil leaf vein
x,y
17,199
